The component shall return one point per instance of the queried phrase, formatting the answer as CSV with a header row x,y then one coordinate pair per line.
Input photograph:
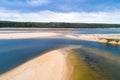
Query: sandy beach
x,y
60,34
27,35
94,37
49,66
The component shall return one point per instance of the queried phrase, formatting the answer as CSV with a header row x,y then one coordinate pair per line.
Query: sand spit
x,y
96,37
27,35
50,66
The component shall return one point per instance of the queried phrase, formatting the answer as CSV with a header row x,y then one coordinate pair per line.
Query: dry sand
x,y
93,37
27,35
88,37
50,66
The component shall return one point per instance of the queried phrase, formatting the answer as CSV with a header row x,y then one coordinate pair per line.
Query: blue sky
x,y
88,11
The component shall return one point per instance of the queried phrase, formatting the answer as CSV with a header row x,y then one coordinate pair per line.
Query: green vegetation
x,y
92,64
56,25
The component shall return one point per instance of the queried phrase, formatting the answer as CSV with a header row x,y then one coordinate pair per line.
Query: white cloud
x,y
38,2
50,16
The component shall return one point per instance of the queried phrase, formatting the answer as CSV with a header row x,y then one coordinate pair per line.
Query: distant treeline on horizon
x,y
10,24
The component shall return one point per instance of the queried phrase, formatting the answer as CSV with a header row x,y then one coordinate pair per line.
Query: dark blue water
x,y
15,52
97,31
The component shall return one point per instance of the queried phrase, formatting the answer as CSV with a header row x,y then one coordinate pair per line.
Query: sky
x,y
74,11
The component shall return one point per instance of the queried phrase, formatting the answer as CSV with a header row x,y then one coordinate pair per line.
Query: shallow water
x,y
94,64
17,51
97,31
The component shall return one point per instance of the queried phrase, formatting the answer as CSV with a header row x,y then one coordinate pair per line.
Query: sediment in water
x,y
91,64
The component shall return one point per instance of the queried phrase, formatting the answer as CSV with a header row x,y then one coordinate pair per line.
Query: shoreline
x,y
42,68
101,38
112,39
27,35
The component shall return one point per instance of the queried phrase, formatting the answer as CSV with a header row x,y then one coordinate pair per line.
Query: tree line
x,y
11,24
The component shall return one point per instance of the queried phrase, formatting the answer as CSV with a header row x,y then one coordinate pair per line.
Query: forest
x,y
11,24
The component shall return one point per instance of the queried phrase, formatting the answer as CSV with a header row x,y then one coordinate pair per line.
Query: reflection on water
x,y
15,52
93,64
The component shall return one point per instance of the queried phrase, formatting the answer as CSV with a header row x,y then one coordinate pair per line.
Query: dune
x,y
52,65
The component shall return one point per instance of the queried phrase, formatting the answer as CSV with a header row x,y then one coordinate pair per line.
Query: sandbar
x,y
52,65
27,35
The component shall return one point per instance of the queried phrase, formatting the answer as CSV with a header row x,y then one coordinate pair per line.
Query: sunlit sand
x,y
27,35
50,66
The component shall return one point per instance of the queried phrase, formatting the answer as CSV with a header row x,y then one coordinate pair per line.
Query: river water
x,y
17,51
97,31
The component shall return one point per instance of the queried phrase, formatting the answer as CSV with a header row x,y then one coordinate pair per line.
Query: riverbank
x,y
23,35
102,38
58,33
52,65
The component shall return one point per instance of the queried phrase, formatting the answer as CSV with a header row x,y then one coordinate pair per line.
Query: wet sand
x,y
93,64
